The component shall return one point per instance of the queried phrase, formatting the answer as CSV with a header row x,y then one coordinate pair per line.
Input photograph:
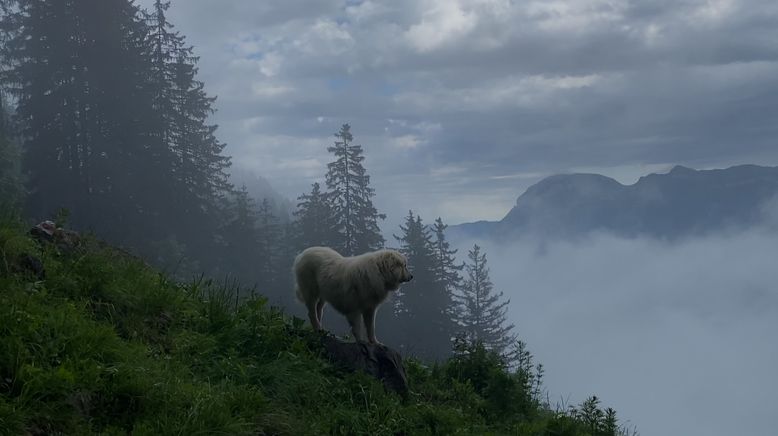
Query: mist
x,y
676,335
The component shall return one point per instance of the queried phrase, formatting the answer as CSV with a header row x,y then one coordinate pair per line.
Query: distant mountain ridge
x,y
683,202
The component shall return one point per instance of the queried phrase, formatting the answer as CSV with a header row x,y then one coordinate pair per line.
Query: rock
x,y
379,361
65,240
28,264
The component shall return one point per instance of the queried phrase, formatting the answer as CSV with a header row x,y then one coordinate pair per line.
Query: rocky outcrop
x,y
379,361
65,240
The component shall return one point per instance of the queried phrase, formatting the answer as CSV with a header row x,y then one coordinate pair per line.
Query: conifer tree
x,y
482,311
284,277
447,271
314,220
268,259
421,309
10,189
164,44
113,119
79,72
356,219
9,183
198,167
36,32
240,235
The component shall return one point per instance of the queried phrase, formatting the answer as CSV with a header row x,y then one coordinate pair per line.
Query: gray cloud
x,y
676,337
457,100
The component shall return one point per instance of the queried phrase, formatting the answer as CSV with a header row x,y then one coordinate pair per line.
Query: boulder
x,y
64,240
379,361
32,265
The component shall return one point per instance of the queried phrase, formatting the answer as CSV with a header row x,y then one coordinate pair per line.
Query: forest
x,y
106,130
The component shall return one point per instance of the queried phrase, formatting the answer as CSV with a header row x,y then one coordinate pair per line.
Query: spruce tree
x,y
240,236
356,219
284,297
268,261
198,167
313,220
482,311
422,306
447,270
10,188
79,72
42,84
9,160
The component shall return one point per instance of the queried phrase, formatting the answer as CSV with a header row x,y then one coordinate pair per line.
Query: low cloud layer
x,y
679,338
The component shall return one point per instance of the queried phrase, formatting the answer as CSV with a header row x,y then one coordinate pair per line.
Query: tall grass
x,y
106,345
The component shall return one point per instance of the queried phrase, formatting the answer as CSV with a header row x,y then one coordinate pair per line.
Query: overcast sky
x,y
460,105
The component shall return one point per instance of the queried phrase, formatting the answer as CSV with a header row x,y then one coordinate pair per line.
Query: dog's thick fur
x,y
354,286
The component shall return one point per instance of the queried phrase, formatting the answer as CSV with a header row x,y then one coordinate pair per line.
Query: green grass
x,y
106,345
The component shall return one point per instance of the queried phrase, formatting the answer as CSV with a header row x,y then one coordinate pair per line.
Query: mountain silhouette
x,y
683,202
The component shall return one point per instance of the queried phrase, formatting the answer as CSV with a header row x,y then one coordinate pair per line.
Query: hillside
x,y
681,203
92,340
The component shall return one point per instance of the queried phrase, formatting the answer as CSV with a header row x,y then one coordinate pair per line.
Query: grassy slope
x,y
105,344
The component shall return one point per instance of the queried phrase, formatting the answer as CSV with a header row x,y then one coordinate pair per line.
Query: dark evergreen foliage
x,y
113,121
482,311
314,220
284,297
197,165
240,237
78,72
10,184
447,269
421,314
356,219
268,265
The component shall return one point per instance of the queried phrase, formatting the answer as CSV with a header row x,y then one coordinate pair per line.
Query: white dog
x,y
354,286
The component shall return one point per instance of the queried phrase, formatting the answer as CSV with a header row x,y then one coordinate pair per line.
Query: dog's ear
x,y
385,262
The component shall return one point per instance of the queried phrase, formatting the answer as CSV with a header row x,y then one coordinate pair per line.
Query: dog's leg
x,y
355,319
369,317
320,310
312,315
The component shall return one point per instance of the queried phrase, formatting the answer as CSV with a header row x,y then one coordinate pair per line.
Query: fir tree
x,y
421,308
482,315
356,219
447,271
284,278
79,72
240,236
42,85
9,181
268,261
314,220
113,119
197,164
10,188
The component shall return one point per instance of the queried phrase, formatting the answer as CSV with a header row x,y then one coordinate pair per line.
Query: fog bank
x,y
678,338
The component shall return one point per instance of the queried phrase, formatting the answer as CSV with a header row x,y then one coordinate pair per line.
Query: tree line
x,y
102,98
445,302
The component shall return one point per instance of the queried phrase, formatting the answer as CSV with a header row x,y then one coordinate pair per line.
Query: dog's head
x,y
394,268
